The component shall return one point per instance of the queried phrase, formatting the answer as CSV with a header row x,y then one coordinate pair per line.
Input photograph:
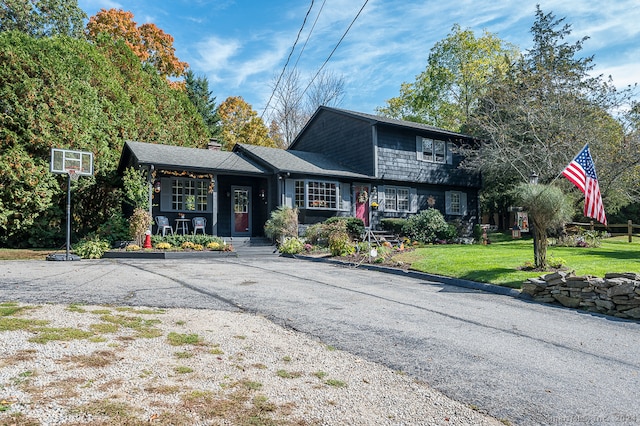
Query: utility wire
x,y
309,35
334,49
288,58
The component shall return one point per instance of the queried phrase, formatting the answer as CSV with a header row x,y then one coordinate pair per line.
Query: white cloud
x,y
214,53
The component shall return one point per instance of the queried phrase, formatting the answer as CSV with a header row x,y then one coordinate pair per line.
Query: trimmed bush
x,y
428,226
394,225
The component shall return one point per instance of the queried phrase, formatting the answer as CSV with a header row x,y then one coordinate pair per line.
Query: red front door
x,y
241,214
362,203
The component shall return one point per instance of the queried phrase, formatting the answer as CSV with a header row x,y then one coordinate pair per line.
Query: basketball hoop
x,y
73,175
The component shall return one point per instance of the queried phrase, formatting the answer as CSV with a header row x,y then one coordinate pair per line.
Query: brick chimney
x,y
214,145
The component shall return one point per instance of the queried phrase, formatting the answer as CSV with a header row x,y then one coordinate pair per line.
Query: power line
x,y
288,58
309,35
334,49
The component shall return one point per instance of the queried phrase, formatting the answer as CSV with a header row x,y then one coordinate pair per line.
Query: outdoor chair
x,y
199,223
163,225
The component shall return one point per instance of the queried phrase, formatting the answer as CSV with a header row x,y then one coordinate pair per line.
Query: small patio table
x,y
182,225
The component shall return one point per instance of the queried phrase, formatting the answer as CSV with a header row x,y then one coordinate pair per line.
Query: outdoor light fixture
x,y
157,186
261,194
533,179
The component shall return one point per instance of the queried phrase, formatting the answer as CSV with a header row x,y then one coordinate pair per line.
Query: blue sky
x,y
242,45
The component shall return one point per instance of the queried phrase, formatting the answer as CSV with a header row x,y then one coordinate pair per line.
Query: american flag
x,y
582,173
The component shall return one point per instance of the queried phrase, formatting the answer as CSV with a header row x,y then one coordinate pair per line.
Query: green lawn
x,y
499,262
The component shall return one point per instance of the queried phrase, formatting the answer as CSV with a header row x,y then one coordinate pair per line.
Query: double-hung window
x,y
455,203
433,150
396,199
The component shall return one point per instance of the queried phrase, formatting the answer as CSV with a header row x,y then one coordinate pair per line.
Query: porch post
x,y
150,189
214,206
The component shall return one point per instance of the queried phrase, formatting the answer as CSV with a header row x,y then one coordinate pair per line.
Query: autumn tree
x,y
152,45
197,88
241,124
42,18
458,73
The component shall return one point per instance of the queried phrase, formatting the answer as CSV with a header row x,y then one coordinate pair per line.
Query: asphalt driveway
x,y
520,361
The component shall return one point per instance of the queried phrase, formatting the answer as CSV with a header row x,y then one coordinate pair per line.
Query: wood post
x,y
630,230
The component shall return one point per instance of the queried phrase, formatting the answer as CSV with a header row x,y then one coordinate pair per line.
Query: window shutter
x,y
380,197
413,200
419,147
345,194
165,195
463,203
449,153
447,202
289,190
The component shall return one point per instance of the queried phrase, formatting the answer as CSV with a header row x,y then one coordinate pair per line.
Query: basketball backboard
x,y
64,160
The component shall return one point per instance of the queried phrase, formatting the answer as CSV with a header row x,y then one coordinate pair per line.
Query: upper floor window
x,y
434,150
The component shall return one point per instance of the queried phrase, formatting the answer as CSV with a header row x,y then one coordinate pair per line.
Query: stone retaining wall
x,y
615,294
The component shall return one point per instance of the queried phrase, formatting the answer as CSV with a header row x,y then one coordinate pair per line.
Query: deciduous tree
x,y
293,105
152,45
545,108
458,71
241,124
42,18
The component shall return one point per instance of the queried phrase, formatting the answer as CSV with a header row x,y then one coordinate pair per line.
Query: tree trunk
x,y
540,248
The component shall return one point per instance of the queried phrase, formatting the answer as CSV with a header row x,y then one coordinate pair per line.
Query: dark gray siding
x,y
398,160
347,139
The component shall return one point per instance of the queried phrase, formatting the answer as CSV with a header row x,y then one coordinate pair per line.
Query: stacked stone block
x,y
616,294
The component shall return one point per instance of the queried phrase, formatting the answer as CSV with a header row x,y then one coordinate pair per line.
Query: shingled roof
x,y
378,119
308,163
173,157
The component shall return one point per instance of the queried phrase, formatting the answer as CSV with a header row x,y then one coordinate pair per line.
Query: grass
x,y
25,254
500,262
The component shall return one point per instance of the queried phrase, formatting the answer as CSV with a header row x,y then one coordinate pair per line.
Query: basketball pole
x,y
68,214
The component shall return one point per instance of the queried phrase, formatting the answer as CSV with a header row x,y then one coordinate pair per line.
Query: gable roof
x,y
378,119
308,163
172,157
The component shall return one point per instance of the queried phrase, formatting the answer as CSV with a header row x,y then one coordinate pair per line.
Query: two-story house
x,y
342,163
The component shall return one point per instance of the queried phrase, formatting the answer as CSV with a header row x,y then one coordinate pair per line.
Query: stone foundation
x,y
616,294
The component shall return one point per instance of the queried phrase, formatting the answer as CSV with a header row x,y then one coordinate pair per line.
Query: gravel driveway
x,y
519,361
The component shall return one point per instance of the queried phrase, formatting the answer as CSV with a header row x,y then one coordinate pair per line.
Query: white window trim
x,y
398,189
167,203
462,200
447,157
338,197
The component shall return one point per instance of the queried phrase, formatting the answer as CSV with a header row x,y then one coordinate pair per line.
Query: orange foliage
x,y
148,42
